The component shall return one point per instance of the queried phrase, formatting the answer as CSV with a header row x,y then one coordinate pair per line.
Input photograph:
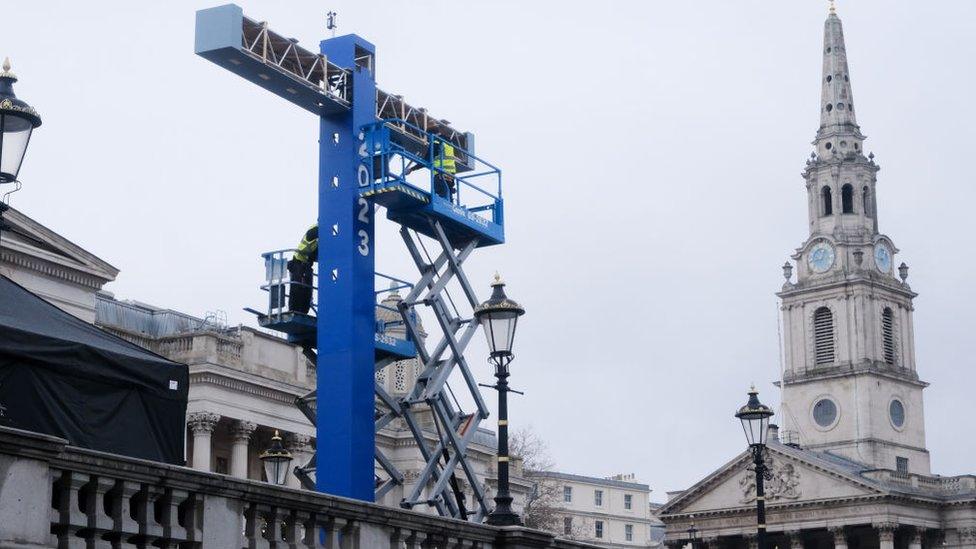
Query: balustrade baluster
x,y
70,519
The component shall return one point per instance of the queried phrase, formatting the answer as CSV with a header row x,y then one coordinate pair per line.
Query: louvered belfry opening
x,y
888,335
823,336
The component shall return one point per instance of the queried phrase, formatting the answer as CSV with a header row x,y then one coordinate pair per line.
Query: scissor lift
x,y
457,230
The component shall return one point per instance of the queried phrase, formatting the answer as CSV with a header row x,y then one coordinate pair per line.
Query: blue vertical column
x,y
346,302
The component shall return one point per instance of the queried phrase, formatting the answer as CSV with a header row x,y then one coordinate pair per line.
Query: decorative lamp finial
x,y
6,70
498,280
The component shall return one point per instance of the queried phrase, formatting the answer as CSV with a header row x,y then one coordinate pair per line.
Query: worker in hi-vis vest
x,y
300,271
444,166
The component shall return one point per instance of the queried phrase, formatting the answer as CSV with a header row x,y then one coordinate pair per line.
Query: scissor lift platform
x,y
412,207
472,212
301,330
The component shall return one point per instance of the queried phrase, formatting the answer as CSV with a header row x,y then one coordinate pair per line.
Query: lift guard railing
x,y
478,188
278,283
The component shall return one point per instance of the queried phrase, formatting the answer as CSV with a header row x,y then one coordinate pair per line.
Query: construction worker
x,y
300,271
444,166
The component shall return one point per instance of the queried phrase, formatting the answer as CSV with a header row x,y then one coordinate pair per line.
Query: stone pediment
x,y
796,478
28,245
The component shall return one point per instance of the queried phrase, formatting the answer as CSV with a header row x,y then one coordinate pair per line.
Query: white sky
x,y
651,151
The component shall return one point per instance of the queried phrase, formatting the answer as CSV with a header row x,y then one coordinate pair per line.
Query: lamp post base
x,y
503,514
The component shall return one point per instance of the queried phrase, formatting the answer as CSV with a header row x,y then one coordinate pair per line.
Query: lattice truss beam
x,y
315,71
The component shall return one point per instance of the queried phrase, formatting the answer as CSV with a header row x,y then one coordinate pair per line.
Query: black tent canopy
x,y
65,377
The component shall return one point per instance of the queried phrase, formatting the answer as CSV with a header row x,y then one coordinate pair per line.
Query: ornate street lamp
x,y
498,317
693,533
276,461
755,423
17,121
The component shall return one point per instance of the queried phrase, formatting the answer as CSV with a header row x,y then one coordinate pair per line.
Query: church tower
x,y
849,382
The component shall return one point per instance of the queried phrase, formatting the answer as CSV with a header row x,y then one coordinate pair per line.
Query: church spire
x,y
837,117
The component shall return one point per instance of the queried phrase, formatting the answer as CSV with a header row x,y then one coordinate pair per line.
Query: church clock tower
x,y
849,382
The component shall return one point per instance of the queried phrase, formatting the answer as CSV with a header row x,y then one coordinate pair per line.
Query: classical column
x,y
301,451
917,536
840,537
886,534
240,432
796,539
202,425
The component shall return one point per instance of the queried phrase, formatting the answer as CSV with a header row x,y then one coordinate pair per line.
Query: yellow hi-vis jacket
x,y
445,160
308,248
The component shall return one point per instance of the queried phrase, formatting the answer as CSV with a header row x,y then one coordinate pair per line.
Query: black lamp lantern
x,y
755,419
498,316
755,422
277,460
17,121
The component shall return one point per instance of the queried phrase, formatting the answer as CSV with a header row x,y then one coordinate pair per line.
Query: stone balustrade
x,y
54,495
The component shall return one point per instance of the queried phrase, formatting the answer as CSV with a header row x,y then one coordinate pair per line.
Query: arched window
x,y
866,200
826,201
888,335
823,336
847,199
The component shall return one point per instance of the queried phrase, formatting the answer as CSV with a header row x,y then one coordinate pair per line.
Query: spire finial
x,y
833,8
6,64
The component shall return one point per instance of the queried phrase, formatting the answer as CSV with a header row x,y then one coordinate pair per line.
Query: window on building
x,y
628,501
901,464
598,498
823,336
866,200
629,532
826,202
888,335
598,529
567,526
847,199
221,466
568,494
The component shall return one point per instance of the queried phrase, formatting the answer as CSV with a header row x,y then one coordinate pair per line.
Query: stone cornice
x,y
820,374
59,271
213,378
841,281
69,255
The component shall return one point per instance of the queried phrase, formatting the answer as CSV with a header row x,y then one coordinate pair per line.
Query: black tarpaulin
x,y
62,376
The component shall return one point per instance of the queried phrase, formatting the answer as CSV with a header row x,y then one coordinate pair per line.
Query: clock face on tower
x,y
821,257
882,258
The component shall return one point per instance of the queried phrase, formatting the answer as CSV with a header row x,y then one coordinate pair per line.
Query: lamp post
x,y
17,122
755,423
276,460
693,534
498,317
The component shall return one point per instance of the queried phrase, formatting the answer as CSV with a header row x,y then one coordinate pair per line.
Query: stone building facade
x,y
607,512
851,468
